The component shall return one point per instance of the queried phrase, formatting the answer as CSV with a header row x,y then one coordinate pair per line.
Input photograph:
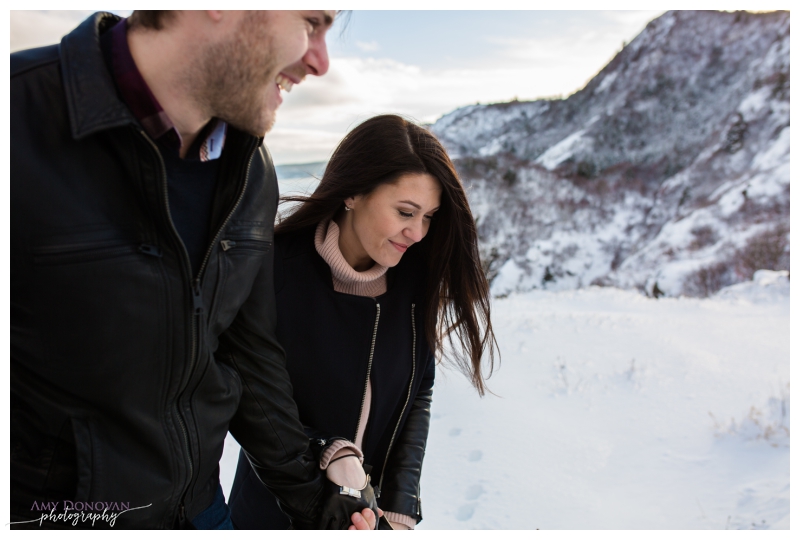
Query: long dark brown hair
x,y
457,299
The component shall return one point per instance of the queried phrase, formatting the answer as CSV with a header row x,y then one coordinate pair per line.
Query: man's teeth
x,y
284,83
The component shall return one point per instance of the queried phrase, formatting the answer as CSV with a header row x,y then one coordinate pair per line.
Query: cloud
x,y
358,88
301,145
38,28
318,92
368,46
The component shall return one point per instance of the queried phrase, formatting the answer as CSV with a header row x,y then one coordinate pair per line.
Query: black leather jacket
x,y
126,370
333,342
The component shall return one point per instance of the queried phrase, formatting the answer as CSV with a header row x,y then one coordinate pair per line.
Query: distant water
x,y
294,186
297,186
299,178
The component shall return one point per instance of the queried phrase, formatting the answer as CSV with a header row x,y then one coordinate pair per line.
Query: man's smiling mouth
x,y
284,83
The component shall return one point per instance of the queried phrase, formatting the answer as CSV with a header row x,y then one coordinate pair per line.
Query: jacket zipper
x,y
369,367
408,398
181,423
248,243
197,297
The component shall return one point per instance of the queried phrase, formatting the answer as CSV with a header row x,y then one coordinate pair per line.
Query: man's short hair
x,y
152,19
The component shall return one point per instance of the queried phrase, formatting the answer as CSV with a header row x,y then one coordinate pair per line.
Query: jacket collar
x,y
92,99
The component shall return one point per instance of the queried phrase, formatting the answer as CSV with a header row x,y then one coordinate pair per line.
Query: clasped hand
x,y
358,502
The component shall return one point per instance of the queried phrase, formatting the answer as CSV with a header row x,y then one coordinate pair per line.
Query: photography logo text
x,y
79,512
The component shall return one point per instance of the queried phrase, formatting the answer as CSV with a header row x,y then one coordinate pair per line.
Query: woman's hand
x,y
346,471
365,521
348,508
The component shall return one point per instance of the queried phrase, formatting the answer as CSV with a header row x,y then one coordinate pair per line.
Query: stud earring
x,y
347,208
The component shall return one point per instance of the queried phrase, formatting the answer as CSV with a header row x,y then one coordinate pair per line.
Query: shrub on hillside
x,y
768,250
709,279
703,236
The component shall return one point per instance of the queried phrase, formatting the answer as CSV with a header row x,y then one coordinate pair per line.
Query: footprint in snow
x,y
465,512
475,455
473,492
455,432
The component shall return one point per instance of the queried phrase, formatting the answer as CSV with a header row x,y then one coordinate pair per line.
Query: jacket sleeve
x,y
267,424
400,492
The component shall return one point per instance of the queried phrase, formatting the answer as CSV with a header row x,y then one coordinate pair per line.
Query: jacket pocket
x,y
86,300
79,253
85,458
221,277
234,245
240,260
214,404
234,375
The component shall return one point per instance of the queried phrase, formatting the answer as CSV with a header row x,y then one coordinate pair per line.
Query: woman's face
x,y
381,226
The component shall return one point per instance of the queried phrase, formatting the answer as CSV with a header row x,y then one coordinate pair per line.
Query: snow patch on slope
x,y
563,150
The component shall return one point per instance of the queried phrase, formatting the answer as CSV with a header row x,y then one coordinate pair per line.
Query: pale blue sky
x,y
422,64
432,39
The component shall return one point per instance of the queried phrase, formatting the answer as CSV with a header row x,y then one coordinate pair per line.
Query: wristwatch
x,y
353,492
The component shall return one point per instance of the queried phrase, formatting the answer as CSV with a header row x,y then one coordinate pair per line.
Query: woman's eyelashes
x,y
411,214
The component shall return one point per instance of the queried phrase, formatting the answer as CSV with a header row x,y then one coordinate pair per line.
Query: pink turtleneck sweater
x,y
371,283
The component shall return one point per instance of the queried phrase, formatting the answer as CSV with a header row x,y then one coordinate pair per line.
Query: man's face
x,y
266,51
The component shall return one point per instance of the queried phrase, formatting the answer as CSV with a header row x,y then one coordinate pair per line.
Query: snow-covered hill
x,y
668,172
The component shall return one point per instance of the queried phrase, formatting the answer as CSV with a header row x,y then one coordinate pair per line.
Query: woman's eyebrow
x,y
412,203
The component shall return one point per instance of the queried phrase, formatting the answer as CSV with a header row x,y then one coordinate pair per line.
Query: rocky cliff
x,y
668,172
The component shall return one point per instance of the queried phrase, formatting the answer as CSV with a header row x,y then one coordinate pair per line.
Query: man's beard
x,y
235,75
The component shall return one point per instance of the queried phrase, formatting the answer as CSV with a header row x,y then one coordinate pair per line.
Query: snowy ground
x,y
616,411
619,412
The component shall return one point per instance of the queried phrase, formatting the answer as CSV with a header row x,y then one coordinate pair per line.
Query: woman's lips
x,y
399,247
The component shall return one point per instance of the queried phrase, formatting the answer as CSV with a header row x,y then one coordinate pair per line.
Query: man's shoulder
x,y
26,61
37,95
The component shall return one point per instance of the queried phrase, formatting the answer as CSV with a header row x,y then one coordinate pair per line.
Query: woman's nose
x,y
415,231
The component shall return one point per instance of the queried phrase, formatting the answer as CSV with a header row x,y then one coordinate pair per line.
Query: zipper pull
x,y
147,249
197,297
227,244
180,520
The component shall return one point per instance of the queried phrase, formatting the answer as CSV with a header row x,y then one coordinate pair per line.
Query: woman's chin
x,y
389,261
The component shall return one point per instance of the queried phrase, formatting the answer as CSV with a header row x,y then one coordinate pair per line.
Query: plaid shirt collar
x,y
145,107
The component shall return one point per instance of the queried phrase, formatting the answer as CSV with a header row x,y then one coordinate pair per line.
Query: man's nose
x,y
316,58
